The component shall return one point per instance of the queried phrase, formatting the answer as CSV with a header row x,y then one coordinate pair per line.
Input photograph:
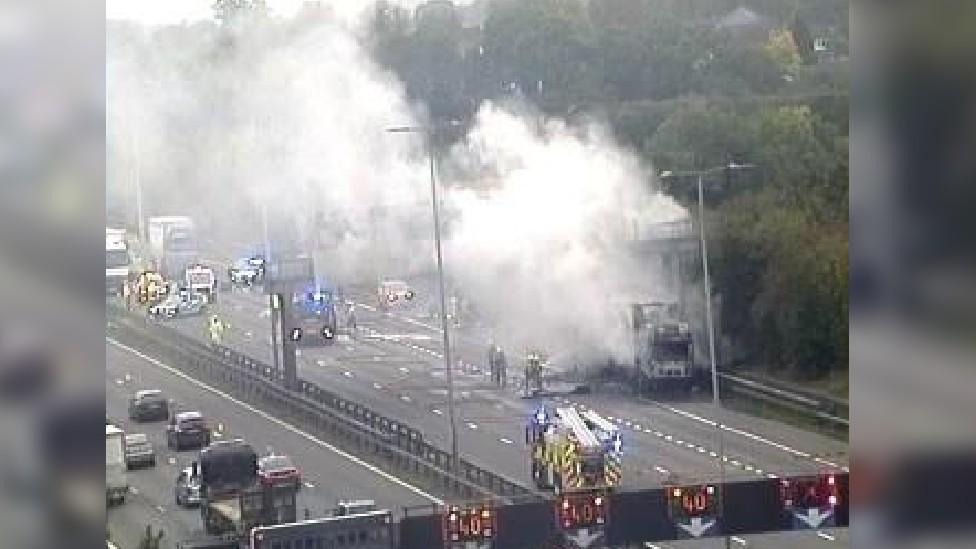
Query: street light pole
x,y
429,134
716,400
711,349
444,324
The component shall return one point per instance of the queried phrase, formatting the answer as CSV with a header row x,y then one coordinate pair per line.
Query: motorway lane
x,y
828,538
795,450
328,476
403,380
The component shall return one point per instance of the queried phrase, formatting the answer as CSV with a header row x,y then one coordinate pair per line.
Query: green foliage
x,y
688,95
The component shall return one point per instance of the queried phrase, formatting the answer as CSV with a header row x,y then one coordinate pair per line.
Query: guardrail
x,y
830,416
351,425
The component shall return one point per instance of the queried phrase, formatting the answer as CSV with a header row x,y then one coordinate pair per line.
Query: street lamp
x,y
429,132
700,175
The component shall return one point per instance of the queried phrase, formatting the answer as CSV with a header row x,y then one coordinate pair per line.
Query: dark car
x,y
187,430
187,488
139,451
148,405
275,470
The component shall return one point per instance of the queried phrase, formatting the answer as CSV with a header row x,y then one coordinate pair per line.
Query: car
x,y
246,271
187,430
139,451
392,292
276,470
187,489
148,405
179,304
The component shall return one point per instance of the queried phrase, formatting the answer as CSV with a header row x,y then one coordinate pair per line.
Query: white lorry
x,y
201,280
173,245
118,261
116,482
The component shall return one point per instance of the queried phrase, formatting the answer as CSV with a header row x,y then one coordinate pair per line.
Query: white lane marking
x,y
438,412
739,540
366,465
377,386
504,440
825,536
473,426
746,434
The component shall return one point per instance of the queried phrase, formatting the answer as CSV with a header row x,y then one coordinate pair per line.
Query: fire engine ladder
x,y
608,428
586,437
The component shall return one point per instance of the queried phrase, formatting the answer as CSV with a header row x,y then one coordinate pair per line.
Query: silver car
x,y
139,451
183,303
187,488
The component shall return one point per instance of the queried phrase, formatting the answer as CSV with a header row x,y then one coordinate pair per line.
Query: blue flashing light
x,y
540,415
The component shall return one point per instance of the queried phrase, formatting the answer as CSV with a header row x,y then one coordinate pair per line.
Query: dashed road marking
x,y
364,464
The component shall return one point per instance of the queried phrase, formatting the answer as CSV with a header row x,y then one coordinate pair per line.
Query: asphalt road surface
x,y
394,365
327,475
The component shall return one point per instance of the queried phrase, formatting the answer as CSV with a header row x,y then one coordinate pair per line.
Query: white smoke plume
x,y
293,115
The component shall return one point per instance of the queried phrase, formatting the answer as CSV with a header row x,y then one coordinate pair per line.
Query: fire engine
x,y
573,452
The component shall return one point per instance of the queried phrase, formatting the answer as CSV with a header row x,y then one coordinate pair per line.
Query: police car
x,y
183,303
246,271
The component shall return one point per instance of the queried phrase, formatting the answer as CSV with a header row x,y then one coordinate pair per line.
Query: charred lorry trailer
x,y
663,348
233,501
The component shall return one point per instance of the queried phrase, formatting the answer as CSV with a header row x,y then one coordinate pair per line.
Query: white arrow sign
x,y
697,527
813,518
584,537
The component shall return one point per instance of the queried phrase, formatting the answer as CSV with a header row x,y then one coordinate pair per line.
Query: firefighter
x,y
498,365
127,295
216,328
533,372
